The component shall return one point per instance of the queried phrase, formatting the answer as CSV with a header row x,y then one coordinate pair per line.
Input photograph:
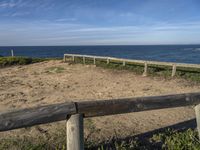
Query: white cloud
x,y
47,33
9,4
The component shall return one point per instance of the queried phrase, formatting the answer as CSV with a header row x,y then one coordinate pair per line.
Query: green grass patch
x,y
21,143
169,139
178,140
192,74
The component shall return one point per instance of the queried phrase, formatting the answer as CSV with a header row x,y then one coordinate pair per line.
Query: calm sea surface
x,y
168,53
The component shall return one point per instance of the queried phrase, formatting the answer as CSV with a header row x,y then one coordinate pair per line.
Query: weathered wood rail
x,y
143,62
74,112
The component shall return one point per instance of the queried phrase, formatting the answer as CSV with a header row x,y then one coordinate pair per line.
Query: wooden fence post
x,y
12,53
64,58
145,69
73,59
124,63
108,61
94,61
75,136
173,70
83,59
197,113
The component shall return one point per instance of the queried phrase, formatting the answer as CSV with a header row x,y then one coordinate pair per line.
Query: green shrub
x,y
9,61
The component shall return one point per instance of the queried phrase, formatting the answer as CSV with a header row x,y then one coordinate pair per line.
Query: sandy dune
x,y
43,83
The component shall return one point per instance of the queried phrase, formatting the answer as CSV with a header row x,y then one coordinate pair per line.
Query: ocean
x,y
166,53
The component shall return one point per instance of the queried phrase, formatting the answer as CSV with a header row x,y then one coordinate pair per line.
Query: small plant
x,y
55,69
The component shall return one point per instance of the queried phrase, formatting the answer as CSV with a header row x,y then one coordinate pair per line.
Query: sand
x,y
41,83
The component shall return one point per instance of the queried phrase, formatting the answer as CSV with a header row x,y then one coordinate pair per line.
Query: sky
x,y
99,22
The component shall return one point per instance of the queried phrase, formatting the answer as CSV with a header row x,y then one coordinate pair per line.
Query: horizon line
x,y
98,45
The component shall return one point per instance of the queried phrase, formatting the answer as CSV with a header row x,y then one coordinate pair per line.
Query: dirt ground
x,y
54,82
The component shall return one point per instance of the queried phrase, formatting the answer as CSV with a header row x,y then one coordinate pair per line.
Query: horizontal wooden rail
x,y
58,112
137,104
38,115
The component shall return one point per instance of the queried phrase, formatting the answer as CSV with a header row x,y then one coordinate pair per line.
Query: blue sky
x,y
99,22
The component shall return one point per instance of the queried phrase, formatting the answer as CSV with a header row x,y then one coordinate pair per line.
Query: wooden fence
x,y
75,112
143,62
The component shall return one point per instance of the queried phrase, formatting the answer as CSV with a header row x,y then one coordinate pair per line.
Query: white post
x,y
197,113
145,69
108,61
12,53
124,63
83,59
173,70
75,137
64,58
73,59
94,61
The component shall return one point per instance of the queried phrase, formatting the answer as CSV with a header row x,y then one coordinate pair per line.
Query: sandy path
x,y
36,84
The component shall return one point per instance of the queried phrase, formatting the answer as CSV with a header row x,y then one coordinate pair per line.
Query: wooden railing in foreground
x,y
124,61
74,112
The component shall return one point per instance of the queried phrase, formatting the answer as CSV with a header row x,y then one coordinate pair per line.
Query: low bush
x,y
9,61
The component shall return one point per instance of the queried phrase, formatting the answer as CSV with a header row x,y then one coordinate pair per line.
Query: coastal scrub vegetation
x,y
10,61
